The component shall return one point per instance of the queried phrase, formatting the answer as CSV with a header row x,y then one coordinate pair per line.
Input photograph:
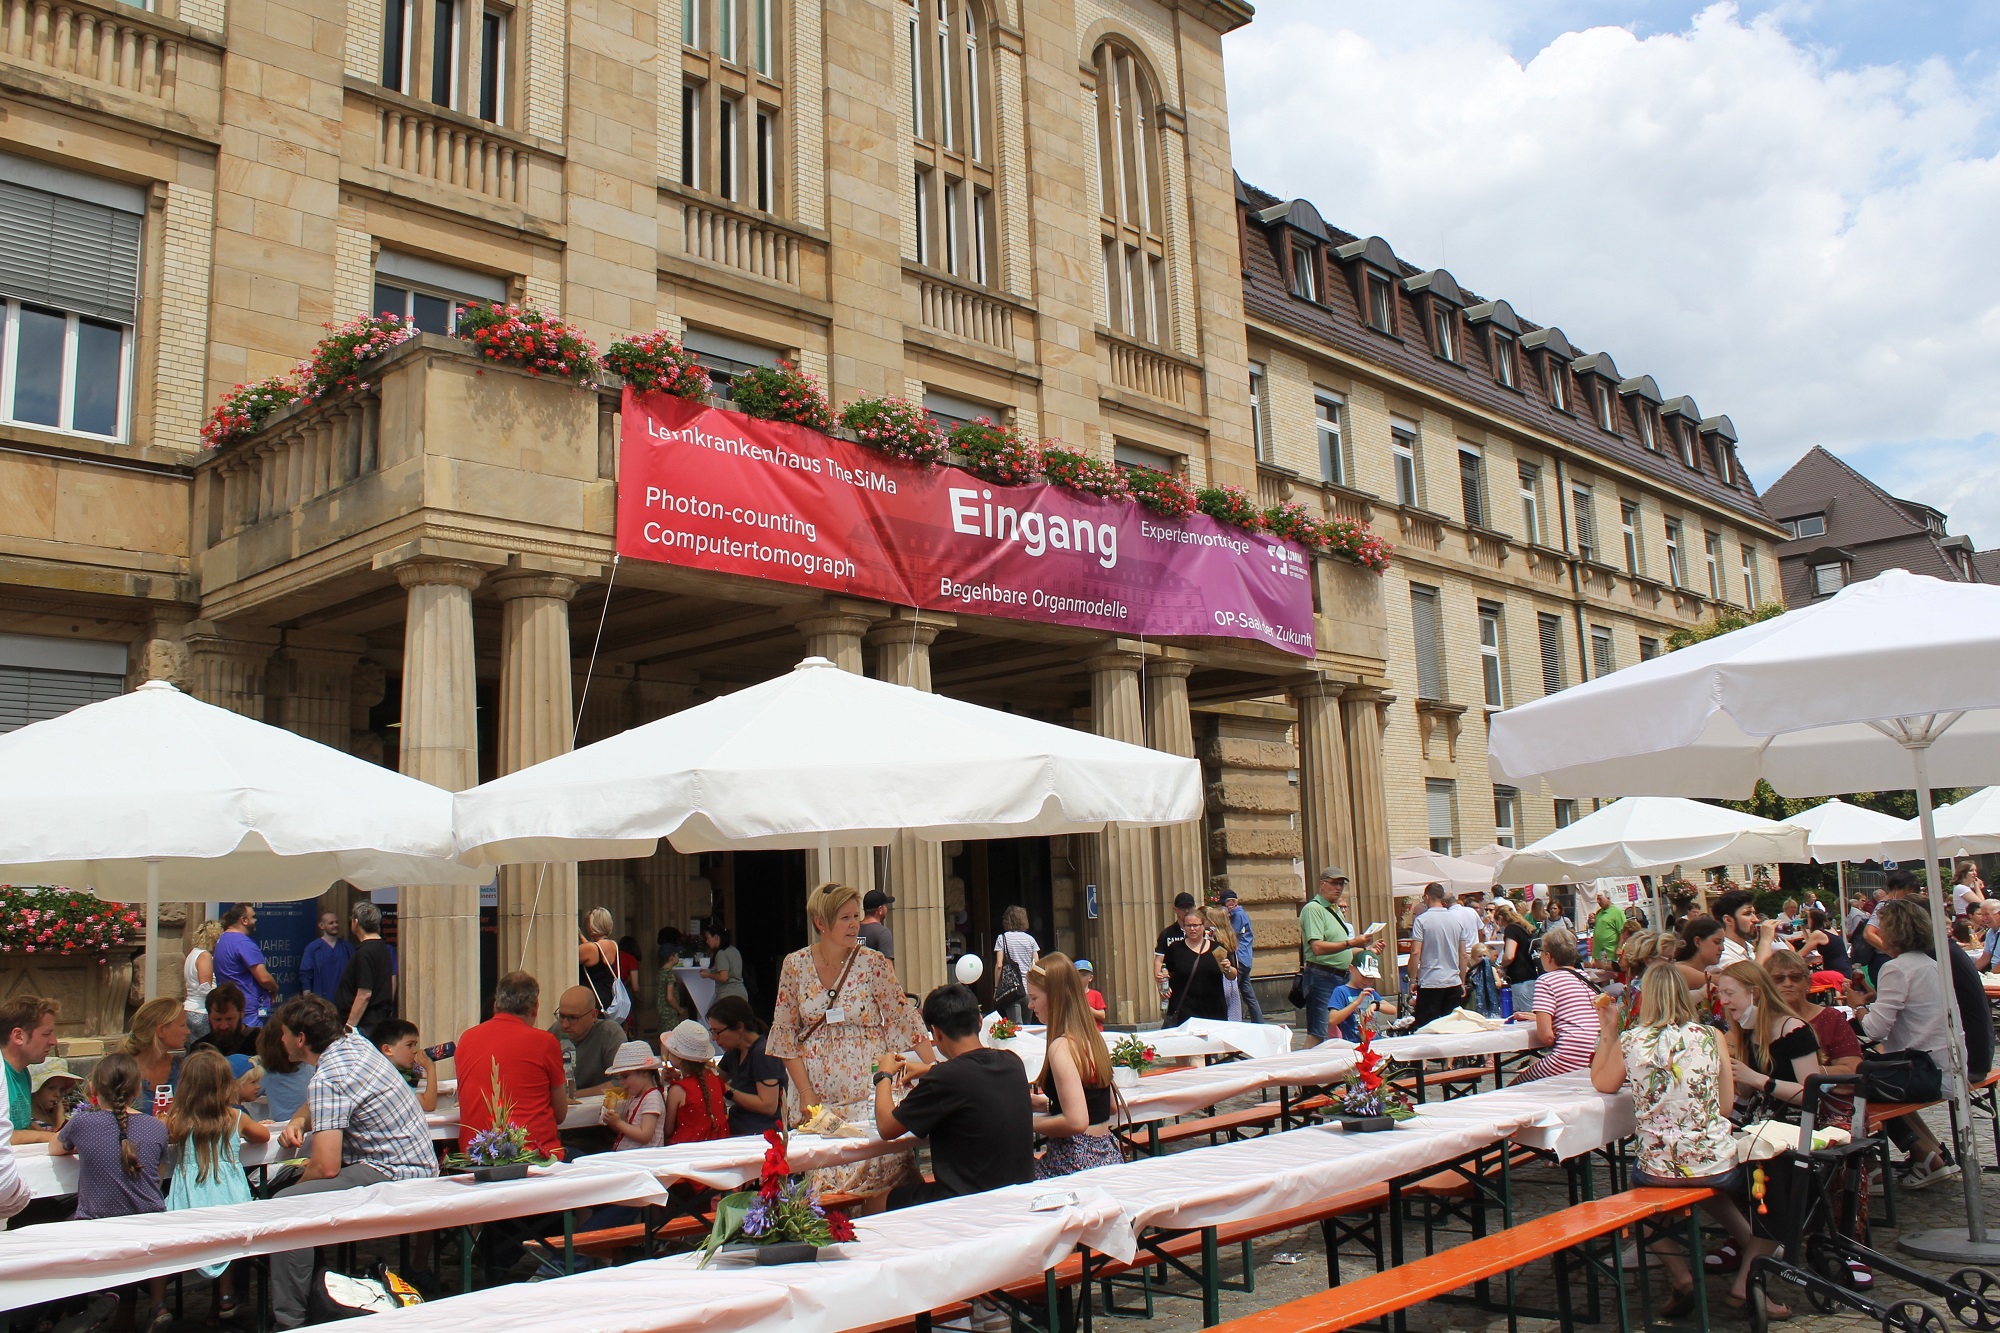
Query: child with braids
x,y
118,1158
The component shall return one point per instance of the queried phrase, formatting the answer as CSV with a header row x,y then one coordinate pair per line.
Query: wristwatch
x,y
881,1076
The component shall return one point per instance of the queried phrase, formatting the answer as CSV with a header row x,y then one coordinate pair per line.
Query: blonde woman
x,y
597,962
1223,932
198,977
839,1007
159,1035
1073,1099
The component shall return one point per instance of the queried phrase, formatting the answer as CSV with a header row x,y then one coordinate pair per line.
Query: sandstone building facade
x,y
1016,208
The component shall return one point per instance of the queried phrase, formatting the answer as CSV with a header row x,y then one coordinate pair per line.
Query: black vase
x,y
1364,1124
789,1252
509,1171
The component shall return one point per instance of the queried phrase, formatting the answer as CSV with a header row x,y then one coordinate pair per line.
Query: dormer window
x,y
1809,525
1642,416
1442,301
1558,386
1381,304
1444,330
1829,578
1503,358
1370,265
1554,355
1689,455
1603,395
1305,262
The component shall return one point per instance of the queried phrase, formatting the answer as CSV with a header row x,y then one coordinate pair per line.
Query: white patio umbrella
x,y
1839,832
1456,873
1970,827
821,757
154,794
1887,681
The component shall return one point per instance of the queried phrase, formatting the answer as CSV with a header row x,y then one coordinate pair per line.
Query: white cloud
x,y
1806,248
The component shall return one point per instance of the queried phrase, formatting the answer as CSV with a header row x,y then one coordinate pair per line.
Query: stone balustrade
x,y
444,151
730,241
307,455
1143,371
949,309
82,41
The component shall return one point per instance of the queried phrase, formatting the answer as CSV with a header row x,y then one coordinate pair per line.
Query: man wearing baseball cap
x,y
1328,944
875,932
1239,921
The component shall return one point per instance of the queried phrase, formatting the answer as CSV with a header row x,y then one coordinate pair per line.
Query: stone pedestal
x,y
836,636
538,907
1361,710
1180,866
915,877
1326,816
1127,896
438,925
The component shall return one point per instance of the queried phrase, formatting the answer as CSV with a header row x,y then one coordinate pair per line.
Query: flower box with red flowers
x,y
1344,539
657,363
1162,492
245,409
1074,470
1231,505
997,454
898,428
782,393
538,343
55,922
342,359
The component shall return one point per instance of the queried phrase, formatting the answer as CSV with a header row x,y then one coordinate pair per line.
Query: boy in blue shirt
x,y
1348,1002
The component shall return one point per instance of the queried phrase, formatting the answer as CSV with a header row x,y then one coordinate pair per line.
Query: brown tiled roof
x,y
1873,528
1986,564
1336,320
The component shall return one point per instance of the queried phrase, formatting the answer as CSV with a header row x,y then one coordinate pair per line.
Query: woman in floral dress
x,y
1682,1088
839,1008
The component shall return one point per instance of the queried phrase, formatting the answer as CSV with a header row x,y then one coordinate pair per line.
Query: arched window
x,y
951,120
732,101
1131,190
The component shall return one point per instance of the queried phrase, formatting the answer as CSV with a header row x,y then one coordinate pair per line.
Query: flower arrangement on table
x,y
657,362
244,410
58,922
782,393
1162,492
340,361
1003,1030
1129,1052
997,454
521,336
782,1210
505,1144
1367,1095
897,427
1075,470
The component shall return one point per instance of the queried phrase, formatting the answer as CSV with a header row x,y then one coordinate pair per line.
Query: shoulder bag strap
x,y
832,996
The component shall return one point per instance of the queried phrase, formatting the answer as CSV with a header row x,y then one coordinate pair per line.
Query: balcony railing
x,y
729,241
1141,371
314,454
436,149
88,43
964,314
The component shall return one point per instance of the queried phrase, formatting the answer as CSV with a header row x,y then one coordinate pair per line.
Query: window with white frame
x,y
494,27
1403,452
430,294
44,677
1584,503
1305,266
1506,812
1642,414
1489,655
1132,198
1602,657
1558,376
1503,356
950,121
1712,553
1689,453
1565,812
69,288
1327,409
1602,393
732,101
1381,303
398,28
1751,589
1444,329
1549,632
1811,525
1628,528
447,36
1260,411
1441,805
1828,579
1531,504
1676,571
1427,632
1472,484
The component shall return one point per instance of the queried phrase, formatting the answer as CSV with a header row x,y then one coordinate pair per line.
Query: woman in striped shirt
x,y
1565,1013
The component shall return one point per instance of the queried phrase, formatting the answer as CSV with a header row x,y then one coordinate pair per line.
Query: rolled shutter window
x,y
77,256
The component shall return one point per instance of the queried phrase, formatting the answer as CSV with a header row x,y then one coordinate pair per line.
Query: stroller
x,y
1828,1187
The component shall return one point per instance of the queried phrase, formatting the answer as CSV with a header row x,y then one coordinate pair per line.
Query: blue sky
x,y
1784,209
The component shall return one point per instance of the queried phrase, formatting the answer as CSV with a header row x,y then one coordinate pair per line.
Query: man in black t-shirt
x,y
1183,904
972,1105
367,993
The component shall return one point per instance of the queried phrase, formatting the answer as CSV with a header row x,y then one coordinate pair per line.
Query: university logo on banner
x,y
715,490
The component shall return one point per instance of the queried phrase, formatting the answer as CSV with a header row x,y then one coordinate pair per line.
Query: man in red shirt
x,y
530,1064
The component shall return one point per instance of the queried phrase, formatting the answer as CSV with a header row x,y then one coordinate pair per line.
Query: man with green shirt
x,y
1605,928
1329,944
27,1035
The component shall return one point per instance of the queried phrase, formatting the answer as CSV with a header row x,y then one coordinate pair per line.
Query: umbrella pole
x,y
1945,1243
1840,893
152,930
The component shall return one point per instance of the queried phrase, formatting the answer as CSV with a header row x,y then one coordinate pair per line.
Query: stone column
x,y
604,707
662,879
916,866
1326,815
1127,896
438,925
836,636
538,906
311,694
1361,709
1181,866
229,666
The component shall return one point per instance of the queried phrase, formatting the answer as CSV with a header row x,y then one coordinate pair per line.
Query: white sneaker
x,y
1924,1174
989,1317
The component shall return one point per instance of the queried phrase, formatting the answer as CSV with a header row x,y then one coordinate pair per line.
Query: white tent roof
x,y
1788,700
1457,874
1837,831
820,756
1641,834
1970,827
225,807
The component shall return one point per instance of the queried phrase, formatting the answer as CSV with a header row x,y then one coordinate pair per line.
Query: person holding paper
x,y
1328,945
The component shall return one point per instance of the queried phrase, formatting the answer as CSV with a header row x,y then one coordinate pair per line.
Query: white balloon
x,y
970,968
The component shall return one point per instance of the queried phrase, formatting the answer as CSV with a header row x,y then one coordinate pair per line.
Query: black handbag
x,y
1901,1076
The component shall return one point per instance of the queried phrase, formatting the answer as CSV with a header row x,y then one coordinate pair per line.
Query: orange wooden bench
x,y
1399,1288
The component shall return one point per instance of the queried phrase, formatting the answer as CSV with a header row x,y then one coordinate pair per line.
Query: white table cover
x,y
46,1262
1458,1045
1160,1096
1196,1037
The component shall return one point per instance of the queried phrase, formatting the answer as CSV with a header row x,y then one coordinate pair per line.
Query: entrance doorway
x,y
1000,873
767,917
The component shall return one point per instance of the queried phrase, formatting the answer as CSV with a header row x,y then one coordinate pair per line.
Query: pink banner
x,y
710,489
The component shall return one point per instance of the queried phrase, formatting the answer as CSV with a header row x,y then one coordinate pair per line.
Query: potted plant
x,y
782,1221
782,393
521,336
500,1153
340,360
245,409
1074,470
897,427
657,362
1344,539
1229,504
1366,1102
996,453
1129,1058
1162,492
